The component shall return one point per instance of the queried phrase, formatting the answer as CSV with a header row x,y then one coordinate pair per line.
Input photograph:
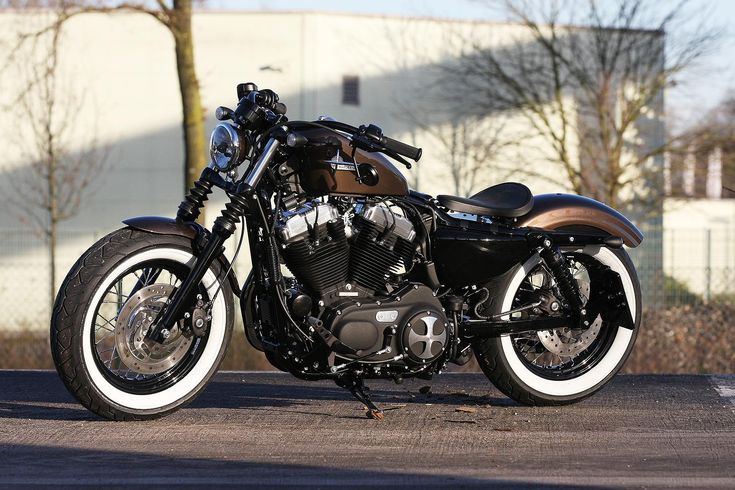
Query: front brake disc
x,y
138,353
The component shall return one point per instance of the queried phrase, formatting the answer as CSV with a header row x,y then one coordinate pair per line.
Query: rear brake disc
x,y
568,342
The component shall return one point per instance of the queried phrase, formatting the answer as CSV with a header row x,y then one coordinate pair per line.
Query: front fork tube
x,y
223,229
240,197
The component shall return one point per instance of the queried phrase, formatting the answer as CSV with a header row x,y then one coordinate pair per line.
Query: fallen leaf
x,y
466,409
374,414
425,390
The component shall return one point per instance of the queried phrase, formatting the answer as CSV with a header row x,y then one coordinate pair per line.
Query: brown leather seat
x,y
507,200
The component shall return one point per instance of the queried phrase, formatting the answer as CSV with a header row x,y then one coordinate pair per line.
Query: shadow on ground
x,y
62,466
41,395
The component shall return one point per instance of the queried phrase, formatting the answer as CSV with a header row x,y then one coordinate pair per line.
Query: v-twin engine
x,y
368,306
316,249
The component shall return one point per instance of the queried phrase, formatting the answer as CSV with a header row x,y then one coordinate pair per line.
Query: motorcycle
x,y
354,277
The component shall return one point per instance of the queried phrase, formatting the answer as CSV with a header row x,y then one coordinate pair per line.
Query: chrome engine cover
x,y
295,225
383,217
425,336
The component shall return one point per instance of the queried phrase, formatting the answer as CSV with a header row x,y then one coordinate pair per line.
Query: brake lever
x,y
359,141
398,157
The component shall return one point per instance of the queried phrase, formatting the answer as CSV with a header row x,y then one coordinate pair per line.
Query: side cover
x,y
552,211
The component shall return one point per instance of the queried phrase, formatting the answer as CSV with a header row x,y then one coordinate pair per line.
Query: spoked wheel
x,y
566,364
562,353
122,352
105,307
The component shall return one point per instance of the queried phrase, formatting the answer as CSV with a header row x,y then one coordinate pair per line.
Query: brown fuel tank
x,y
326,170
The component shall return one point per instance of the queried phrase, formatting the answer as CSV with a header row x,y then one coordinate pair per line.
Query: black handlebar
x,y
253,101
369,138
269,99
374,133
407,151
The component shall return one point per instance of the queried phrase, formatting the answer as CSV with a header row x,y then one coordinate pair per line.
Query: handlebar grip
x,y
407,151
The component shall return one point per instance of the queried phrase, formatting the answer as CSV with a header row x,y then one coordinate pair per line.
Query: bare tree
x,y
588,77
53,185
466,145
175,16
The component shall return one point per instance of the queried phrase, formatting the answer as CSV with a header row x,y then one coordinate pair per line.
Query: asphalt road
x,y
269,429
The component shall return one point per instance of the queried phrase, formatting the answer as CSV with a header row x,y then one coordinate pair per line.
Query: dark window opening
x,y
351,90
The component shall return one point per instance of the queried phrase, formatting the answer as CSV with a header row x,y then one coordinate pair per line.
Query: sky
x,y
697,90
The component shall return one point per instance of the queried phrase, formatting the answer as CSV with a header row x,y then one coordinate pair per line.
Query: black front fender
x,y
161,225
165,226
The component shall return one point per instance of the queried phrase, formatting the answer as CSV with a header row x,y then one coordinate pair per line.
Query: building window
x,y
351,90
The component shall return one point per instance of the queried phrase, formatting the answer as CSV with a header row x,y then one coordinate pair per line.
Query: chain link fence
x,y
686,266
676,267
686,277
25,297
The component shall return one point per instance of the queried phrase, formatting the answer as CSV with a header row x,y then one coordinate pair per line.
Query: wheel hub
x,y
137,352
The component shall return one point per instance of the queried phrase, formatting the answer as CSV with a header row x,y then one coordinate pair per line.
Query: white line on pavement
x,y
725,386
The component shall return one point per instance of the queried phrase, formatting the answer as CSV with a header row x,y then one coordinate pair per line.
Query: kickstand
x,y
358,388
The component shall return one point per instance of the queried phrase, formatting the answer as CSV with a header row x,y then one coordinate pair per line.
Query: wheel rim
x,y
562,353
123,355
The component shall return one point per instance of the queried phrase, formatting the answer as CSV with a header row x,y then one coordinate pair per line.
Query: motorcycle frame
x,y
250,199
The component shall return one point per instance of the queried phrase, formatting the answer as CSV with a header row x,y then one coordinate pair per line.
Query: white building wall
x,y
699,244
124,67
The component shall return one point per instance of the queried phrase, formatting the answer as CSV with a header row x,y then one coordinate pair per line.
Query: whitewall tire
x,y
505,367
73,329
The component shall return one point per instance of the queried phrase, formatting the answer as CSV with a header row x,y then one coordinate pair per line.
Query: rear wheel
x,y
106,305
563,365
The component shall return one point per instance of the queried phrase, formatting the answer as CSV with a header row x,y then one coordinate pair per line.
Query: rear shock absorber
x,y
558,265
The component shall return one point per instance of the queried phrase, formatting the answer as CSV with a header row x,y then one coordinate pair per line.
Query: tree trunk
x,y
53,214
52,266
193,117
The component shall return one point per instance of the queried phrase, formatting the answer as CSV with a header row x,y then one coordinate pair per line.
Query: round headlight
x,y
224,147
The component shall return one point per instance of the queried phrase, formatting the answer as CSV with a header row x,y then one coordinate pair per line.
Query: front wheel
x,y
563,365
104,308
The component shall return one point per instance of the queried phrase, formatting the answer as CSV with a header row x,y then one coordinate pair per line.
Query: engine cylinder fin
x,y
375,254
322,263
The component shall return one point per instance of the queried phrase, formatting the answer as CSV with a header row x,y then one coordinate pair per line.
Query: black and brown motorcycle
x,y
354,277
